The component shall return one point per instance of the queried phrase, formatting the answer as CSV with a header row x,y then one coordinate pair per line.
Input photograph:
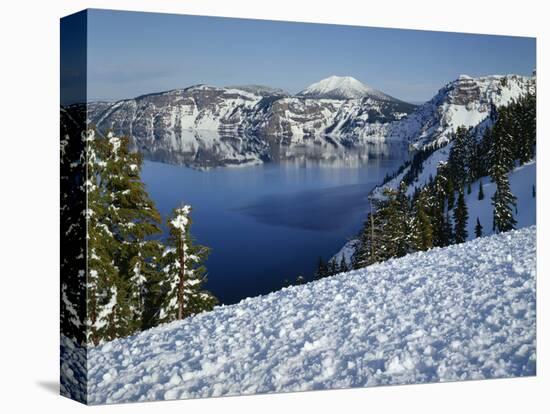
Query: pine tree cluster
x,y
133,280
437,214
330,268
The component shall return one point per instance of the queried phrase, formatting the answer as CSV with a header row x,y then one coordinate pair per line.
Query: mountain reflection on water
x,y
210,149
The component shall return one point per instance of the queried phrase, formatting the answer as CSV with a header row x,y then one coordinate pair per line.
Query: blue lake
x,y
271,222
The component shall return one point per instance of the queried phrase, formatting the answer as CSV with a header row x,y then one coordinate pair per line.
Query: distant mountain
x,y
342,87
207,126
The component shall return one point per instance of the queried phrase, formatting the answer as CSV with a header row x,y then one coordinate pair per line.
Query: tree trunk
x,y
181,254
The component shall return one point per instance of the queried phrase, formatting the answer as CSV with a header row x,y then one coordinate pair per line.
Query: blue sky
x,y
131,53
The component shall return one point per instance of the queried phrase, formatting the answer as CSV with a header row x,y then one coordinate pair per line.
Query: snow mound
x,y
342,87
462,312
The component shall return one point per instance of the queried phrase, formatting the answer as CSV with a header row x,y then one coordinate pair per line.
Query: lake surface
x,y
270,222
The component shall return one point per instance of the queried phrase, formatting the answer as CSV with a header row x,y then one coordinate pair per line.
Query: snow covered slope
x,y
342,87
463,312
522,179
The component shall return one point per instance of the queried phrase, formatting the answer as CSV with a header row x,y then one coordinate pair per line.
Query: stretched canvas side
x,y
73,352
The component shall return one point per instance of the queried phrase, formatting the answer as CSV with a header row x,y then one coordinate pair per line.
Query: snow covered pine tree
x,y
184,271
130,274
133,220
103,283
501,163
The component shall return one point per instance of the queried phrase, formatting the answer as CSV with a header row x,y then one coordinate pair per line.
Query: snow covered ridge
x,y
462,312
464,102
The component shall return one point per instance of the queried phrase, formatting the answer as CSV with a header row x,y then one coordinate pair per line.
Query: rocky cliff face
x,y
465,102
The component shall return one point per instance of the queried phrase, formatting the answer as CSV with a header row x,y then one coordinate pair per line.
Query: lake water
x,y
271,222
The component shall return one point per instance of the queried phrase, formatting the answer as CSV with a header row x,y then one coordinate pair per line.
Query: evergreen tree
x,y
478,228
459,156
422,225
483,150
343,265
437,206
480,193
322,269
503,204
448,235
450,195
460,219
126,290
470,154
184,271
501,160
501,155
332,267
523,113
121,219
134,220
363,247
370,247
395,240
107,311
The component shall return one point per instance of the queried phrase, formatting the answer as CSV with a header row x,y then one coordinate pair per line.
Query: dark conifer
x,y
504,203
502,161
422,229
460,219
332,267
343,265
448,236
478,228
480,193
322,269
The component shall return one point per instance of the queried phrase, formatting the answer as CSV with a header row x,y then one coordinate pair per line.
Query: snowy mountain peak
x,y
339,82
342,87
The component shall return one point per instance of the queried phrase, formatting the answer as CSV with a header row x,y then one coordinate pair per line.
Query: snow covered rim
x,y
463,312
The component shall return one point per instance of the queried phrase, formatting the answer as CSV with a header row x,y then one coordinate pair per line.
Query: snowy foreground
x,y
462,312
